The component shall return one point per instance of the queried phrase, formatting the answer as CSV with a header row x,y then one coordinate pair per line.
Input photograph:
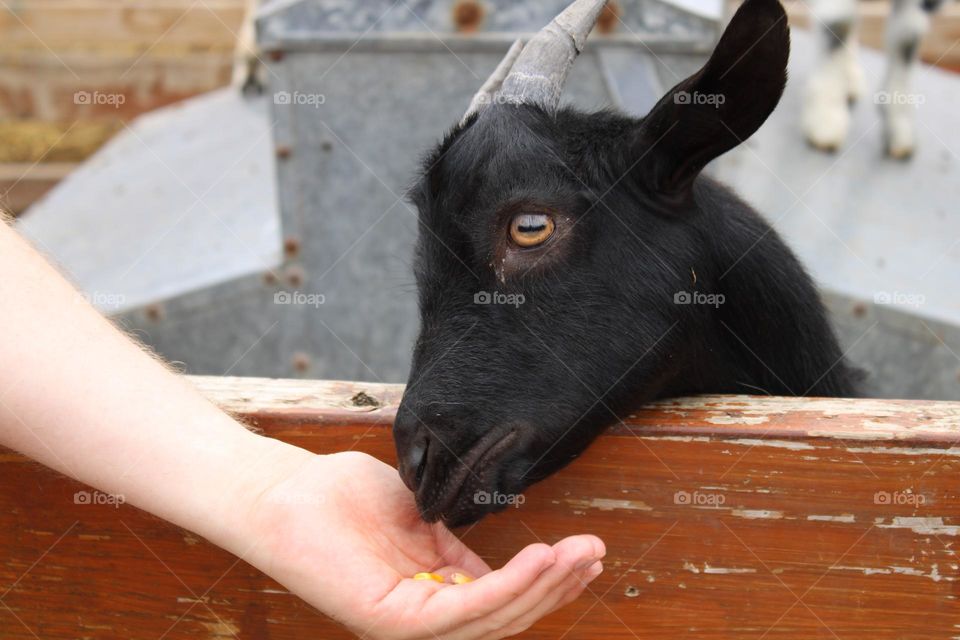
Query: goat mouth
x,y
468,468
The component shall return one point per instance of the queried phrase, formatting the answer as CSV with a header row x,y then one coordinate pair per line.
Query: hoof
x,y
825,147
900,153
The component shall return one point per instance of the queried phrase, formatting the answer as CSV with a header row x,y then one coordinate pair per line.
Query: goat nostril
x,y
414,463
420,458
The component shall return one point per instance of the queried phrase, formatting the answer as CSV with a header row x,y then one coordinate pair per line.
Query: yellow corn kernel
x,y
428,576
460,578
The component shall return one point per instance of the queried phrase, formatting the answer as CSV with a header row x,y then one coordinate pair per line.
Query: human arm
x,y
79,396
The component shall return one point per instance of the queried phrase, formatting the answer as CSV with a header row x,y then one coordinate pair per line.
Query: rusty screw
x,y
295,276
291,246
859,310
276,55
283,151
467,16
609,17
300,362
154,312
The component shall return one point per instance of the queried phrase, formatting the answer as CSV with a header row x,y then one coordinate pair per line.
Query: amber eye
x,y
531,229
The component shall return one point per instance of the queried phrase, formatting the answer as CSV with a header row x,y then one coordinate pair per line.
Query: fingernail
x,y
594,570
460,578
584,564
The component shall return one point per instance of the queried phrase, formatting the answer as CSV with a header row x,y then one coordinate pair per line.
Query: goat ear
x,y
721,105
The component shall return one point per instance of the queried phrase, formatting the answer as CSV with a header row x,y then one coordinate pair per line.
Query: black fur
x,y
502,395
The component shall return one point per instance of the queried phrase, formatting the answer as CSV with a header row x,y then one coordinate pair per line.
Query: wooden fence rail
x,y
724,517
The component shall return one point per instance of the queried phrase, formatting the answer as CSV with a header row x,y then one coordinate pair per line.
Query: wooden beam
x,y
724,517
22,184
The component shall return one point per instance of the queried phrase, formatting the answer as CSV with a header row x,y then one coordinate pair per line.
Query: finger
x,y
456,554
409,604
587,577
454,606
575,556
572,588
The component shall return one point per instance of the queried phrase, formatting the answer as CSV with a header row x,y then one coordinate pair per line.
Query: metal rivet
x,y
295,276
300,362
283,151
291,247
609,17
270,278
467,15
276,55
859,310
154,312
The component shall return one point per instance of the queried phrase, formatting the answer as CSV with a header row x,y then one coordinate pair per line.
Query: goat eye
x,y
531,229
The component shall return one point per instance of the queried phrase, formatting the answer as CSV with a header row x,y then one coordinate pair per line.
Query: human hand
x,y
342,532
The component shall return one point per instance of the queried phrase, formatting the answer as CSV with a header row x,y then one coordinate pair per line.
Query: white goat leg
x,y
837,80
907,25
246,62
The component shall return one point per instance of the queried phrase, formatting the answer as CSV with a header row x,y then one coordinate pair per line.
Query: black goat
x,y
571,266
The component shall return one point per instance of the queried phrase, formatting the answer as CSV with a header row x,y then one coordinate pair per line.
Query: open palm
x,y
342,532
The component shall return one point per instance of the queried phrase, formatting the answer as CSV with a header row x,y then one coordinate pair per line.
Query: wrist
x,y
259,465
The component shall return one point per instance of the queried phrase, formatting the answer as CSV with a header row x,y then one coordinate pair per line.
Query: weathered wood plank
x,y
724,517
22,184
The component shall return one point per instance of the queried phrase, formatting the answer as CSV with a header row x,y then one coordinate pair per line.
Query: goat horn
x,y
485,95
538,75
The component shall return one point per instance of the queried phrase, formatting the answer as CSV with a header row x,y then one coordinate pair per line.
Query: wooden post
x,y
724,517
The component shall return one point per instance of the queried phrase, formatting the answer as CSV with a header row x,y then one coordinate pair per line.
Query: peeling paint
x,y
907,451
757,514
844,517
792,445
222,629
678,438
934,573
836,434
726,570
867,571
929,526
737,418
608,504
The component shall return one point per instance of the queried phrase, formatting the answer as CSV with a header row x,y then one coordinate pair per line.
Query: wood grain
x,y
23,184
724,517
